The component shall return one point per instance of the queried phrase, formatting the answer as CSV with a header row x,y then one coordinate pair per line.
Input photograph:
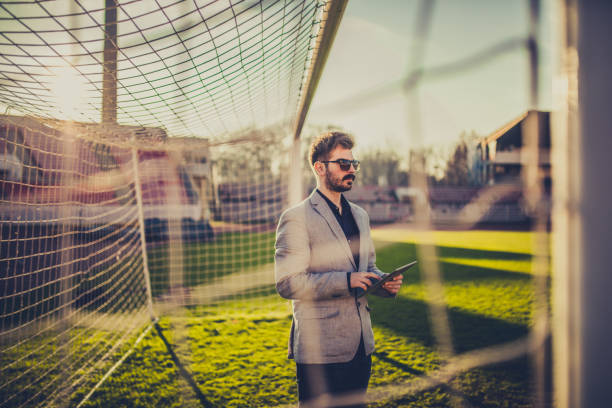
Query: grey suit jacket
x,y
311,261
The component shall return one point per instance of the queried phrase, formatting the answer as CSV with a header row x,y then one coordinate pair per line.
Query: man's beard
x,y
335,184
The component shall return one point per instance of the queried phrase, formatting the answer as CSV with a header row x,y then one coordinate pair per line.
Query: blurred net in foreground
x,y
72,288
102,232
173,200
98,220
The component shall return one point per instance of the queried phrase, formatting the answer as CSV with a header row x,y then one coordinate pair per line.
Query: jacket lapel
x,y
364,238
320,206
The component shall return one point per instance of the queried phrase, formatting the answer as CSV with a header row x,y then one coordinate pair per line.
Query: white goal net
x,y
111,210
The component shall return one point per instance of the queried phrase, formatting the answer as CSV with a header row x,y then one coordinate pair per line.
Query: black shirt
x,y
347,223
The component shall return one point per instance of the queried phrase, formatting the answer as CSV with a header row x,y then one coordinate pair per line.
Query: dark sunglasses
x,y
345,165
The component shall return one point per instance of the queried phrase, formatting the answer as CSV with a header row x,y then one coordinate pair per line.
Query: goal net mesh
x,y
111,209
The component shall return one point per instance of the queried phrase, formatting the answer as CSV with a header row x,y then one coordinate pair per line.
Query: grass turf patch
x,y
229,253
236,351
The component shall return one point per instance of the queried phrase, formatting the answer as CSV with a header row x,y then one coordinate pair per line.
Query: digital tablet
x,y
378,283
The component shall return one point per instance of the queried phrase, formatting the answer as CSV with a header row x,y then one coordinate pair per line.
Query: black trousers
x,y
338,379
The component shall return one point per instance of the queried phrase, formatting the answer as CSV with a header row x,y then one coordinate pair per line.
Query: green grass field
x,y
229,253
236,351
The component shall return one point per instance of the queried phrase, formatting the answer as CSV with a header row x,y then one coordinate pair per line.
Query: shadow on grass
x,y
456,252
508,381
383,356
499,385
410,318
453,272
391,256
182,370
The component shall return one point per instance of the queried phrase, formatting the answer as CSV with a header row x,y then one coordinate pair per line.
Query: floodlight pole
x,y
109,79
582,223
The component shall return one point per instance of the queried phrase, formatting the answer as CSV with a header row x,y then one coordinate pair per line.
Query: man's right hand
x,y
362,279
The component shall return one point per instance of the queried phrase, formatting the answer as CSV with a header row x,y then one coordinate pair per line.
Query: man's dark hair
x,y
325,143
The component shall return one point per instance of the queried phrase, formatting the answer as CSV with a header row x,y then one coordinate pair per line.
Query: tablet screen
x,y
388,277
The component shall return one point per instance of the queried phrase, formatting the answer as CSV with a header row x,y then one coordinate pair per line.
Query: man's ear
x,y
319,168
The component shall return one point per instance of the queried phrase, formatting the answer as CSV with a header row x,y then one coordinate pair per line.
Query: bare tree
x,y
383,167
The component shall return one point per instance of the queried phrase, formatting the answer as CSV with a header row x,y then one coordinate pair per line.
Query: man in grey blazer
x,y
324,256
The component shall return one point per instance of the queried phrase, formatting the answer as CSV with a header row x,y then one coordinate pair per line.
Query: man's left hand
x,y
393,286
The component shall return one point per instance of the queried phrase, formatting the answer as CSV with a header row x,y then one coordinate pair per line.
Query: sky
x,y
372,51
192,83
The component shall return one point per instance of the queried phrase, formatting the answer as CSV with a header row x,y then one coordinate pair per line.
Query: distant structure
x,y
500,156
496,194
251,203
381,203
39,169
197,164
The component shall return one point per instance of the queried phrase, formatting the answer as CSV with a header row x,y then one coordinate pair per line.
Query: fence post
x,y
582,200
595,128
